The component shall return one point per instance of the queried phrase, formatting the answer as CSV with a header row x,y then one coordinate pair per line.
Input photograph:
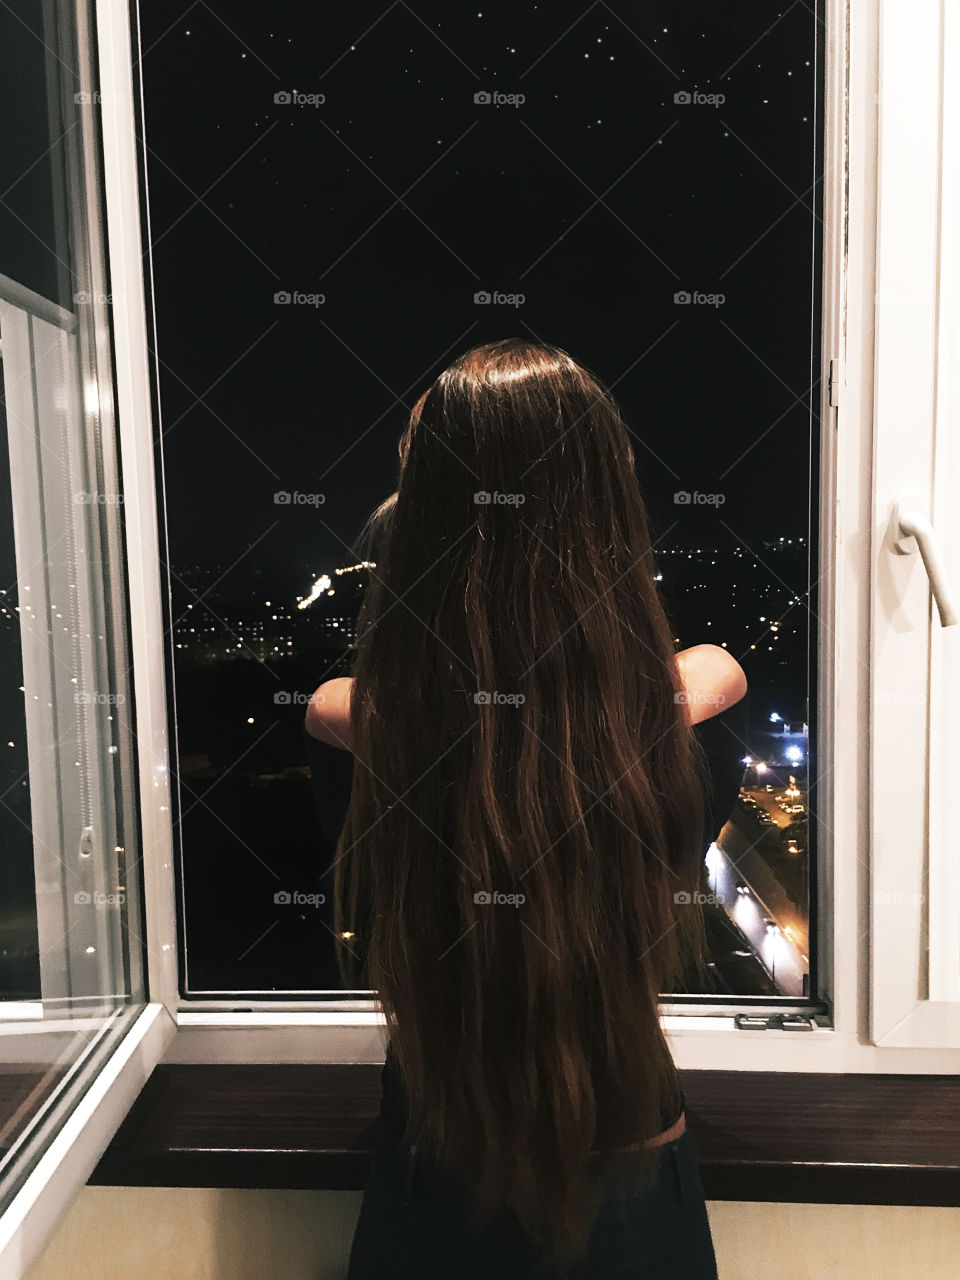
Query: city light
x,y
316,591
352,568
744,870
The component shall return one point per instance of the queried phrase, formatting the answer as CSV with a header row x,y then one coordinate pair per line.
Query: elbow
x,y
328,714
734,680
720,680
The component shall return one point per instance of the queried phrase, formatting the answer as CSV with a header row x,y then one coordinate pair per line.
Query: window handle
x,y
915,533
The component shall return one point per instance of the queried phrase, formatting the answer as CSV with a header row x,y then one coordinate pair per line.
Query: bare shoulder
x,y
328,713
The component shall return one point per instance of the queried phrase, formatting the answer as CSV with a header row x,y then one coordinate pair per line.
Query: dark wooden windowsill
x,y
840,1139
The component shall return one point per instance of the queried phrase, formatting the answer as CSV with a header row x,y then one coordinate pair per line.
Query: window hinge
x,y
778,1022
834,380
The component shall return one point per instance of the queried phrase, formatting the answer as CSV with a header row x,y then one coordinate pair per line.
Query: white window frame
x,y
353,1031
915,897
81,1130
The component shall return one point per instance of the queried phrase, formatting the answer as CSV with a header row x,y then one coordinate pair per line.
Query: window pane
x,y
348,197
71,972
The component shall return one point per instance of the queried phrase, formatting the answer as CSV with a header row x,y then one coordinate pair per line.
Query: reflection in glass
x,y
71,975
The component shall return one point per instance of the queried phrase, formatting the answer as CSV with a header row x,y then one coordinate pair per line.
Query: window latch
x,y
775,1022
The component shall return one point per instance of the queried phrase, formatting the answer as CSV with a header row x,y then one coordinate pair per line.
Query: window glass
x,y
342,199
71,972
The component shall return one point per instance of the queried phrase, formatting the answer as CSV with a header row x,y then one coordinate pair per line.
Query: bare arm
x,y
328,713
713,680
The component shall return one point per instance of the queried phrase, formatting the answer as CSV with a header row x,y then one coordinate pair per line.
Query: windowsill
x,y
765,1136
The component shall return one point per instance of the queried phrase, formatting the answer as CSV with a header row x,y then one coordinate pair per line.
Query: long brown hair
x,y
525,827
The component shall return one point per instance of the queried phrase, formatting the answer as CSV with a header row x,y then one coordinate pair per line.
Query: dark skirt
x,y
414,1222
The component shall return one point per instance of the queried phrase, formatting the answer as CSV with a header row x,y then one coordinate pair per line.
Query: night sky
x,y
398,198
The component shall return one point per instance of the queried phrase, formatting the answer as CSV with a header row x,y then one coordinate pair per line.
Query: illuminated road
x,y
778,953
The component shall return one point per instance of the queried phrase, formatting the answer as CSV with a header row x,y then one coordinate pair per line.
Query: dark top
x,y
722,740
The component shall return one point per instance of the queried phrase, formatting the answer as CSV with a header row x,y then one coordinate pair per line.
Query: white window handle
x,y
913,532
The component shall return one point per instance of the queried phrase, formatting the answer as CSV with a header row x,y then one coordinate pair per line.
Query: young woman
x,y
523,842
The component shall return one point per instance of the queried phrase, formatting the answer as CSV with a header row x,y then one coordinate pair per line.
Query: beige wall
x,y
115,1233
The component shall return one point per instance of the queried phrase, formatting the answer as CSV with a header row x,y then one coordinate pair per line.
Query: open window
x,y
348,198
78,1034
